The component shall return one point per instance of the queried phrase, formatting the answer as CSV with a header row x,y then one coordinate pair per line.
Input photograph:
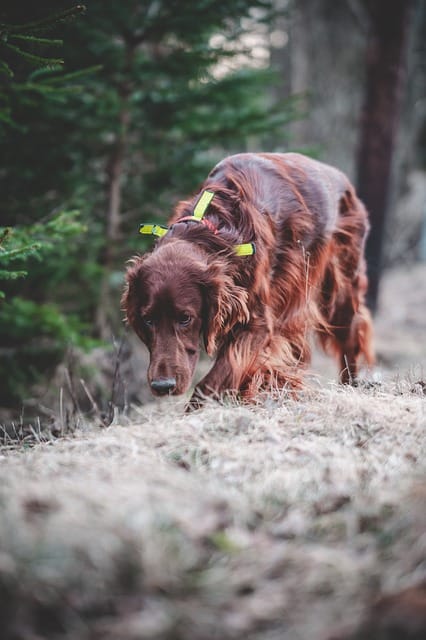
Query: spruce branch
x,y
36,40
12,275
5,234
34,59
4,68
44,24
44,73
5,117
14,254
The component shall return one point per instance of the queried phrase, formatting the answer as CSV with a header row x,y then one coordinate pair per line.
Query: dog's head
x,y
173,298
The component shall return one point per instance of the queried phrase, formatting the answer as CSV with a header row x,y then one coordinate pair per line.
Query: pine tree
x,y
24,322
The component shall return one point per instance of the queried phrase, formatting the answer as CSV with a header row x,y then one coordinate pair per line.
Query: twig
x,y
115,379
95,407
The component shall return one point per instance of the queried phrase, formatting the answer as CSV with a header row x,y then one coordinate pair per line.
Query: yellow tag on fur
x,y
247,249
202,204
153,230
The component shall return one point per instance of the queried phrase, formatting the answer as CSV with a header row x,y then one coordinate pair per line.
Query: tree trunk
x,y
114,172
386,49
108,303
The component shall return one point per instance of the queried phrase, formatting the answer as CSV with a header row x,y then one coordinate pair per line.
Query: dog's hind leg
x,y
351,339
347,331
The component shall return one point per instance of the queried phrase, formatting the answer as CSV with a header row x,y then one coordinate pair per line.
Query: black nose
x,y
163,385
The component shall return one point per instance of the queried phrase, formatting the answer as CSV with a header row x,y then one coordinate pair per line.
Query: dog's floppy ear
x,y
225,305
131,298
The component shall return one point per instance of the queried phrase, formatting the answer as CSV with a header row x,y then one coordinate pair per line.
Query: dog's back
x,y
286,183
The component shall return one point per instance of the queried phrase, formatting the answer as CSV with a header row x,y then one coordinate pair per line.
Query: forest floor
x,y
283,521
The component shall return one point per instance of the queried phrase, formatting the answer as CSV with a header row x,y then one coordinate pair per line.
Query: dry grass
x,y
279,522
276,522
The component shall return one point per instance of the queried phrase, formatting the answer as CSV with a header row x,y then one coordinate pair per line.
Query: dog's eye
x,y
184,319
147,321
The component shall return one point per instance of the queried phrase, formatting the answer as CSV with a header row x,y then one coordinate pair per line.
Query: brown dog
x,y
270,249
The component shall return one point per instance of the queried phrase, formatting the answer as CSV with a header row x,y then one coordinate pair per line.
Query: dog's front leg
x,y
235,364
219,379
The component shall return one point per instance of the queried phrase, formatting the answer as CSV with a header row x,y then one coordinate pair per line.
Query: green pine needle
x,y
13,254
4,68
12,275
46,76
36,40
45,23
34,59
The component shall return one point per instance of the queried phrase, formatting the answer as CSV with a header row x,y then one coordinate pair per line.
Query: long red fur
x,y
308,273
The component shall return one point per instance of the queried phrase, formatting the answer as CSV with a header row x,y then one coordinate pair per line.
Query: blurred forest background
x,y
111,112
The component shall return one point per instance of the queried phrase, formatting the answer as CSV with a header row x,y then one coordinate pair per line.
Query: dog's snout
x,y
163,385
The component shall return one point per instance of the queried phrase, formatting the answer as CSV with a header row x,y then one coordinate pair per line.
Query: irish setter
x,y
269,250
